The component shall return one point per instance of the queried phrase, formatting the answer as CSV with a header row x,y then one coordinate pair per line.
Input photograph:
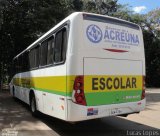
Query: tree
x,y
105,7
22,22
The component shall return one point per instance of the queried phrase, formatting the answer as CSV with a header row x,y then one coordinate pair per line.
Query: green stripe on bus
x,y
103,98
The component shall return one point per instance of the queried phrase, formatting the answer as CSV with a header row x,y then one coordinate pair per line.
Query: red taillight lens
x,y
78,91
143,88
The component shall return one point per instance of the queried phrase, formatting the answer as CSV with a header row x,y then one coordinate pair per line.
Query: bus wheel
x,y
33,105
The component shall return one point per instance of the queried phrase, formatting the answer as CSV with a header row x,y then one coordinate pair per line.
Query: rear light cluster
x,y
78,96
143,88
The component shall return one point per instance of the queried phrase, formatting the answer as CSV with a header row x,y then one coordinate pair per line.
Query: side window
x,y
60,46
64,44
34,57
31,58
44,49
20,64
26,62
50,50
47,52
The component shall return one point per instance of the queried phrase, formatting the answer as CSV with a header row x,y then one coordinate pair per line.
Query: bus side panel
x,y
51,89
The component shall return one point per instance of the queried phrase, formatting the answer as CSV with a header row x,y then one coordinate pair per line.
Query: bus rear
x,y
106,69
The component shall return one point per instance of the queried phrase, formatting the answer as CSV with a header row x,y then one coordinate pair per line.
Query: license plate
x,y
116,111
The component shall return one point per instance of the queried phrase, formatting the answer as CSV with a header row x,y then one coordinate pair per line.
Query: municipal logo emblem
x,y
94,33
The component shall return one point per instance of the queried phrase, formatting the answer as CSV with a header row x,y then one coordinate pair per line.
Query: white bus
x,y
88,66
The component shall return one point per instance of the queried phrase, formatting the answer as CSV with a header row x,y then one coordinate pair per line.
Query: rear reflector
x,y
115,50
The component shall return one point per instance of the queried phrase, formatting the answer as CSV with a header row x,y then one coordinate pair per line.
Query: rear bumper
x,y
80,113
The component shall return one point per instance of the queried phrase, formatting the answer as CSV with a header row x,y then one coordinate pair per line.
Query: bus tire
x,y
33,106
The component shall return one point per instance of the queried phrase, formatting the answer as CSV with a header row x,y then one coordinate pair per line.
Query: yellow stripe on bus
x,y
92,84
49,83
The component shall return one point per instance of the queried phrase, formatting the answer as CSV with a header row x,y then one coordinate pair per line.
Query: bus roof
x,y
71,17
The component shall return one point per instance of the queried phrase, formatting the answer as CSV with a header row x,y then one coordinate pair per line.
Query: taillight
x,y
143,88
78,91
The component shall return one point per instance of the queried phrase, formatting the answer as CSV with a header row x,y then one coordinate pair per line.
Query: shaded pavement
x,y
16,115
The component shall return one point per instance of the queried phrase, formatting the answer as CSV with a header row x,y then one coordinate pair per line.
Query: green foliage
x,y
22,22
123,12
152,54
153,18
105,7
76,5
